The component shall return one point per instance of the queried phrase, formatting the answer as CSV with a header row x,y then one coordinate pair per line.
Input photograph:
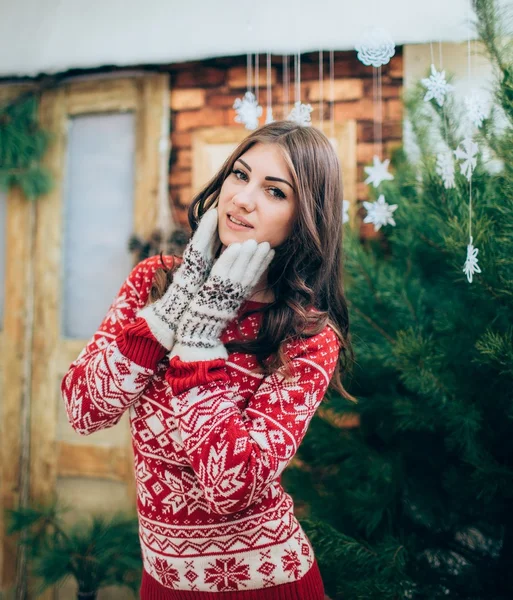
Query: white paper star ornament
x,y
467,153
300,114
379,213
378,172
445,168
437,86
471,265
248,110
476,109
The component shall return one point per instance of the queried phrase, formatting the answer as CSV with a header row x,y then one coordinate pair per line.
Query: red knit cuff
x,y
183,376
137,343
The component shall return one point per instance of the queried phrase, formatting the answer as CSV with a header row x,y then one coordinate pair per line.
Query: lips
x,y
240,219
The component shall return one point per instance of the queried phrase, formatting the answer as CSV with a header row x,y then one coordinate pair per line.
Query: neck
x,y
261,291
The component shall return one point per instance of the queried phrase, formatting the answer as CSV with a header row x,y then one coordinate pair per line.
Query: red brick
x,y
394,110
221,100
365,153
181,139
362,191
368,232
198,77
396,70
387,91
180,177
237,76
278,92
193,119
391,130
358,109
343,90
183,159
185,196
187,99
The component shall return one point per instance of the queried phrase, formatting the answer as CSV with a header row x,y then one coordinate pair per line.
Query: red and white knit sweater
x,y
210,442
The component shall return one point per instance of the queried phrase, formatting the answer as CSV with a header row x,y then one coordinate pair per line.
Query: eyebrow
x,y
267,178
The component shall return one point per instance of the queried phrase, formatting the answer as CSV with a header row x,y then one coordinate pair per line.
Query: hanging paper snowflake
x,y
467,153
471,265
269,116
378,172
248,110
345,211
376,47
301,114
445,168
476,109
437,87
379,213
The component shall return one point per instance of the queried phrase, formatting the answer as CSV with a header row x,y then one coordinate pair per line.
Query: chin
x,y
228,236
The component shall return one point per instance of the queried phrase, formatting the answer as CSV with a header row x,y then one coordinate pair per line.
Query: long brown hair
x,y
306,270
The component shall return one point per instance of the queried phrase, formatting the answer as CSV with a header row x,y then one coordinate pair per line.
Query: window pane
x,y
3,253
98,217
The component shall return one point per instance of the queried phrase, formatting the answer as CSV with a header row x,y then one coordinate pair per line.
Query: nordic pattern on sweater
x,y
210,442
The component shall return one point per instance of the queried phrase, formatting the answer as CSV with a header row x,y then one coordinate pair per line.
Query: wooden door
x,y
90,474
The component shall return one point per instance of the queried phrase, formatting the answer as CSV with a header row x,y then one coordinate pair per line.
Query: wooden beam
x,y
99,462
12,368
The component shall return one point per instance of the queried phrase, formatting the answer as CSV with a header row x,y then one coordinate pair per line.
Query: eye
x,y
276,192
240,174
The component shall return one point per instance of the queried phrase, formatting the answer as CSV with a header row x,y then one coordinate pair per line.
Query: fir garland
x,y
22,146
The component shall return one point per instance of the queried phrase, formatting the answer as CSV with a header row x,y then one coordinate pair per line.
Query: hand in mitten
x,y
232,279
164,314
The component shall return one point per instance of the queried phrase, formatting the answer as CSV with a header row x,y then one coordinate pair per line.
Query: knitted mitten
x,y
164,314
232,278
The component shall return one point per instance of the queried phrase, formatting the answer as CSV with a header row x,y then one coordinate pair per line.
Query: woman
x,y
222,360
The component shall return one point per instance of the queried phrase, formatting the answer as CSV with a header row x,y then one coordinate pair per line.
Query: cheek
x,y
280,227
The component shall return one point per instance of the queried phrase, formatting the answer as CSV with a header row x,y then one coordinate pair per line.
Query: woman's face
x,y
260,192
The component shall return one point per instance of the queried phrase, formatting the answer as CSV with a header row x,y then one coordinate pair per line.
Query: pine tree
x,y
416,501
98,552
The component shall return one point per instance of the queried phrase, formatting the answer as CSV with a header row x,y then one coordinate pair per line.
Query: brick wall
x,y
202,95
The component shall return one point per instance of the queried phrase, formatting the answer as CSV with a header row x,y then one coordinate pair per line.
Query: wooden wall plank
x,y
97,462
12,368
12,384
153,109
97,96
48,250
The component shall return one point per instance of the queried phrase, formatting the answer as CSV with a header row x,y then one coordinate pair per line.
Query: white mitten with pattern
x,y
232,279
163,315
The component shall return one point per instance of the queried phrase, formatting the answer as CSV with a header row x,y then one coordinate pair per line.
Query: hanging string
x,y
321,92
249,67
249,74
444,113
375,109
380,112
332,94
469,80
269,93
432,53
268,72
257,60
296,77
285,86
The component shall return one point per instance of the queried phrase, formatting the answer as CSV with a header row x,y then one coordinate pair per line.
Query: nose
x,y
245,199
